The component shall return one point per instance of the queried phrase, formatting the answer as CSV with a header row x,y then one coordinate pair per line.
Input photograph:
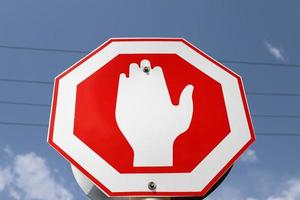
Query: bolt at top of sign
x,y
124,124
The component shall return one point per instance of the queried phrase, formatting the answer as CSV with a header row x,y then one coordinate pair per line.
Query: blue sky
x,y
244,35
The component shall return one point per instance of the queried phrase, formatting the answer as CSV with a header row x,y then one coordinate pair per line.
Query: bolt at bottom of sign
x,y
151,185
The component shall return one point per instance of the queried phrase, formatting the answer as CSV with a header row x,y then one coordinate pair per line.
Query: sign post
x,y
150,117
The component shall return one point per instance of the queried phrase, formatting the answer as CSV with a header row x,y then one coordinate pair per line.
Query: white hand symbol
x,y
146,116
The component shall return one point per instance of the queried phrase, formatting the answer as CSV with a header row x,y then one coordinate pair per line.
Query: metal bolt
x,y
151,185
146,70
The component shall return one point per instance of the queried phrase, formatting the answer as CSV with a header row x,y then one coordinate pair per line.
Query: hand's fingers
x,y
133,69
122,82
158,71
122,77
159,74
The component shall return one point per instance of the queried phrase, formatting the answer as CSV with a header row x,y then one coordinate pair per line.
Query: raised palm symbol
x,y
146,116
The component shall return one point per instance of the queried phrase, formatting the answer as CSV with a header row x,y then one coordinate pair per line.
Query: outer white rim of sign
x,y
113,183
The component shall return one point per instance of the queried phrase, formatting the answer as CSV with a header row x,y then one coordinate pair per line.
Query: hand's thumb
x,y
184,111
186,98
185,108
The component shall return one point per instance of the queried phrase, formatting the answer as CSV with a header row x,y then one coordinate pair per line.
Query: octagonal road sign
x,y
150,117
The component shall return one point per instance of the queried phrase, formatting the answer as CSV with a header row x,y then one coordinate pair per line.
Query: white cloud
x,y
274,51
29,177
226,192
6,177
15,194
8,151
291,192
249,156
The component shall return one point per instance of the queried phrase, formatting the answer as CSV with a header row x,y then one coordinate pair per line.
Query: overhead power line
x,y
43,49
248,93
259,63
26,81
277,116
24,104
46,126
23,124
274,94
278,134
83,52
49,105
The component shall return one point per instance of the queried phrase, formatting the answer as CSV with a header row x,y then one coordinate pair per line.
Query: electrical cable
x,y
248,93
46,126
49,105
86,52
